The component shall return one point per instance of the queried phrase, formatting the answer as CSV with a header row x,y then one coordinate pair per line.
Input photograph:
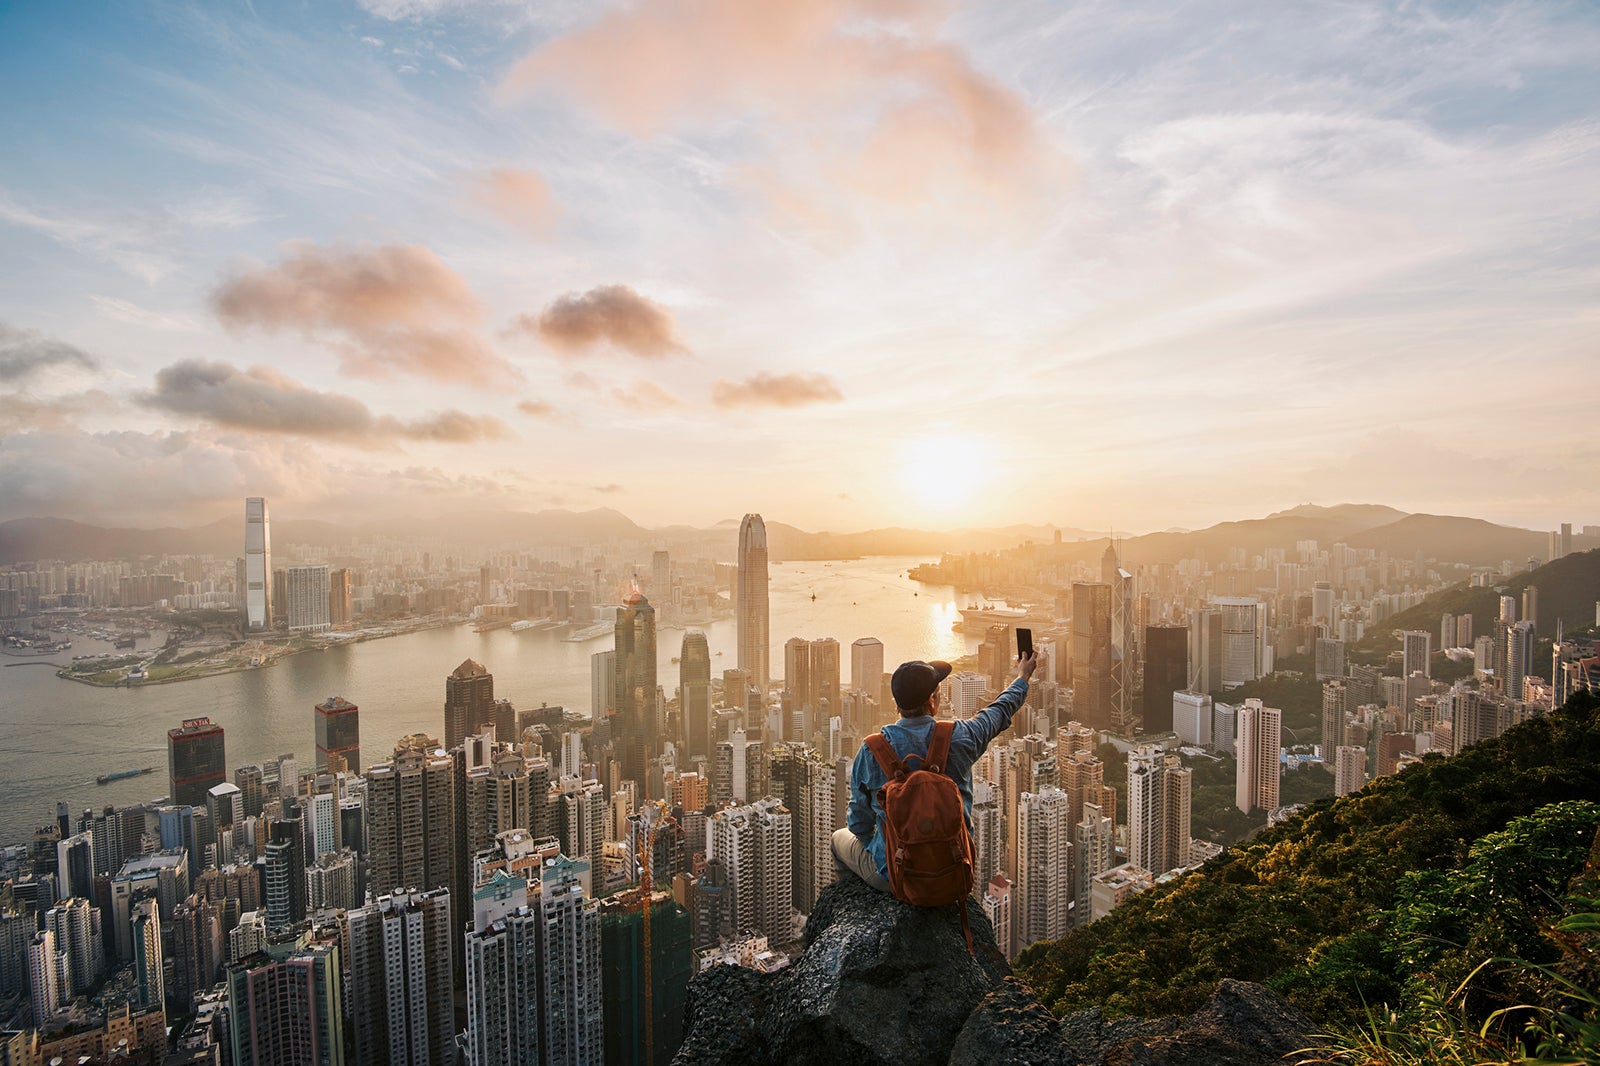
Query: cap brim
x,y
941,669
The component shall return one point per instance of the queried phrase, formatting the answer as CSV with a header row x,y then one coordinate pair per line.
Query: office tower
x,y
750,606
411,818
257,592
468,702
694,693
400,1006
1091,654
754,843
163,876
1322,606
797,682
1350,770
635,732
570,977
661,577
1124,640
285,874
1205,650
631,1034
285,1004
1518,658
1166,670
1530,606
196,760
150,989
866,675
1042,904
1242,635
340,609
602,684
307,589
1256,776
966,693
824,693
338,729
1094,852
1335,710
1191,718
1418,652
1329,658
75,866
225,807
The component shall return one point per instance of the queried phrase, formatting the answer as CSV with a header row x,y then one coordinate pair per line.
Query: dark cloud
x,y
24,352
610,314
776,390
264,400
390,309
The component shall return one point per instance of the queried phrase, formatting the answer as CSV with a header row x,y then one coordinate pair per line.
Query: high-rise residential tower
x,y
1257,773
411,818
754,844
1043,893
636,731
196,760
338,729
400,978
752,611
257,591
308,596
284,1003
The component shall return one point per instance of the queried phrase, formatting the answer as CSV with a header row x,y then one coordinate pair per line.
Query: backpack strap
x,y
878,744
939,747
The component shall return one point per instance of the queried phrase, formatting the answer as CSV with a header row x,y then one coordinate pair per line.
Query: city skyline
x,y
367,257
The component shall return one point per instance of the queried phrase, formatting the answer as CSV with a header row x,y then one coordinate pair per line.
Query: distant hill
x,y
1460,540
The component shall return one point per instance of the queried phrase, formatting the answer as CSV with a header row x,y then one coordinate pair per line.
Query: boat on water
x,y
599,629
522,625
105,779
976,619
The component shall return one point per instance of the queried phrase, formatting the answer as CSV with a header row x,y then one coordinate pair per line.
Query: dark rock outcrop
x,y
880,983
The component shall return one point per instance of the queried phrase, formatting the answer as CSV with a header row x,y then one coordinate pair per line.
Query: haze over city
x,y
849,263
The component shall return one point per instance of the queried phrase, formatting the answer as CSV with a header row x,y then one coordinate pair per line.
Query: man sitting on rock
x,y
859,845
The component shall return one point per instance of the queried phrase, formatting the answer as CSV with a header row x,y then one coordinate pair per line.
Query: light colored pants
x,y
849,850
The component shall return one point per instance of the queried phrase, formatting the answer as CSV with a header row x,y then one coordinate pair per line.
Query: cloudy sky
x,y
849,263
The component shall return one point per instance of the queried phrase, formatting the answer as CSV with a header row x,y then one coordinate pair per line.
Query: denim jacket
x,y
911,735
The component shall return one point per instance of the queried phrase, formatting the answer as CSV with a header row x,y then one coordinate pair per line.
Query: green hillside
x,y
1364,900
1568,589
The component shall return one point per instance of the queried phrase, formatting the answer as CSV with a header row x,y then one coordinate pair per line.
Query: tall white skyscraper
x,y
1159,791
257,591
1418,652
1242,637
1260,732
1042,896
752,611
602,683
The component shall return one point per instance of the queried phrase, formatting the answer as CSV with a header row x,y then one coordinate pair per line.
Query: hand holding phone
x,y
1024,643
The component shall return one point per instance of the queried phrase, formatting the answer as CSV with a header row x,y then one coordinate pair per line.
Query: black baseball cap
x,y
915,681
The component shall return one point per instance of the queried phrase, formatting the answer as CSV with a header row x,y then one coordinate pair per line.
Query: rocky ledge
x,y
881,983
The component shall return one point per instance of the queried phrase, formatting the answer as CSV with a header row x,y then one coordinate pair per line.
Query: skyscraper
x,y
1042,897
1417,648
636,730
754,843
411,818
751,610
629,1030
1335,707
502,964
1091,655
307,588
284,1003
340,605
1517,661
694,692
338,729
866,675
400,980
1242,636
468,702
1205,650
1166,670
257,591
196,760
1124,640
573,1028
1256,776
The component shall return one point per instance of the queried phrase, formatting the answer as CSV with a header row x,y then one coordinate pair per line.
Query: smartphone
x,y
1024,643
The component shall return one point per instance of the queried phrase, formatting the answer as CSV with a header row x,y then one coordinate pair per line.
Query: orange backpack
x,y
925,838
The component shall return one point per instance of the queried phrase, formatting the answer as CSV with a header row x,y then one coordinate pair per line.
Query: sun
x,y
944,473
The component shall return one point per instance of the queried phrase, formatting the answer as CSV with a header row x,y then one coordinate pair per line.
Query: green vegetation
x,y
1297,694
1380,898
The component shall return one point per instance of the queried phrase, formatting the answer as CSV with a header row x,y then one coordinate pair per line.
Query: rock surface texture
x,y
881,983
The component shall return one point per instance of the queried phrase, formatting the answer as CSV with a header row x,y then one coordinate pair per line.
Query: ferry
x,y
104,779
599,629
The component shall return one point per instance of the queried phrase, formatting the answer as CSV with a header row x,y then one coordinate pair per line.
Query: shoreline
x,y
64,672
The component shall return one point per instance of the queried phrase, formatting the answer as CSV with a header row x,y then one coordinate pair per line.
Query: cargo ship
x,y
106,779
